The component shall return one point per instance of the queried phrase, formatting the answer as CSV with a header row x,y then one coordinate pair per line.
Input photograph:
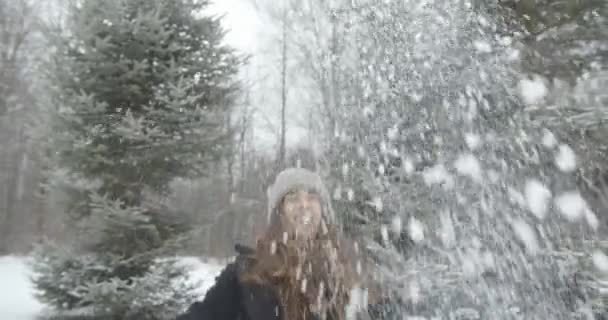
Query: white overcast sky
x,y
242,21
250,33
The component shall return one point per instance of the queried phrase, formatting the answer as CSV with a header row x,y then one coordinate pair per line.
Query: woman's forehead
x,y
300,190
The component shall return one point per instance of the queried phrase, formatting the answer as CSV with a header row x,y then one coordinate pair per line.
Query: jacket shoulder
x,y
244,258
222,301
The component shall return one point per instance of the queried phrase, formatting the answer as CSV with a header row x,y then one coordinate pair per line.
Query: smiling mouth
x,y
306,220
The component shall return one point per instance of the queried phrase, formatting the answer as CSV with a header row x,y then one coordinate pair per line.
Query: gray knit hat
x,y
298,178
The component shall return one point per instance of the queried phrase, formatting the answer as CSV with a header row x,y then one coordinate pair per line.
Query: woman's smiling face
x,y
301,213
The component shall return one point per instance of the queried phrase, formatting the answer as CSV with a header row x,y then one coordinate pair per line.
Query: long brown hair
x,y
311,277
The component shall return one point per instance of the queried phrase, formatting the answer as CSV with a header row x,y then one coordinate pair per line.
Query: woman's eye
x,y
314,197
290,197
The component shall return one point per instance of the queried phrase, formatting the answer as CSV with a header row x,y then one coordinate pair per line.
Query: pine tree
x,y
141,93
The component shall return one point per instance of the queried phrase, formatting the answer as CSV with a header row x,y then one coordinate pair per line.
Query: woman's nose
x,y
303,203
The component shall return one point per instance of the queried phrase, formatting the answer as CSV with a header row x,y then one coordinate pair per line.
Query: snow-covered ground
x,y
17,301
16,293
203,272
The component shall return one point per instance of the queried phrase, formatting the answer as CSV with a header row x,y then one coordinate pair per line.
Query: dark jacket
x,y
230,299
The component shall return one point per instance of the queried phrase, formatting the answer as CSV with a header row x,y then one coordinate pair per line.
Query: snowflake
x,y
532,91
565,159
537,198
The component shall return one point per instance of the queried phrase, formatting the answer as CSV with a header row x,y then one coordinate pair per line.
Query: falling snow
x,y
350,195
447,234
526,234
438,175
357,302
470,226
512,54
472,140
273,248
408,166
591,219
532,91
565,159
392,133
384,233
416,230
571,205
414,292
516,196
396,225
345,169
377,204
337,193
538,198
482,46
549,139
468,165
600,261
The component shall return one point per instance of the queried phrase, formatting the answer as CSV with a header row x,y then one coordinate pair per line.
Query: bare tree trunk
x,y
282,147
230,163
40,218
4,212
243,165
12,192
334,69
230,180
243,143
311,137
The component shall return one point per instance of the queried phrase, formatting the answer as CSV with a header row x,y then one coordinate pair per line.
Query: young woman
x,y
301,268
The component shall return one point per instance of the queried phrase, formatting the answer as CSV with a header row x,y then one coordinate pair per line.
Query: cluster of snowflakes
x,y
536,197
